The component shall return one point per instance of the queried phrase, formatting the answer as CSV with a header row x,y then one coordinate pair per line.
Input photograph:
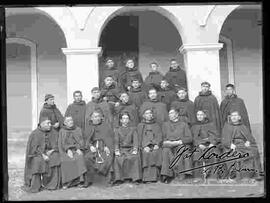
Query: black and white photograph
x,y
134,101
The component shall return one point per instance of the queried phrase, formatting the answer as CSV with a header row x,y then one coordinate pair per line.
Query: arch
x,y
34,76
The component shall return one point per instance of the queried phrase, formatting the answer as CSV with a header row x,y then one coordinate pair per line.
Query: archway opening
x,y
145,35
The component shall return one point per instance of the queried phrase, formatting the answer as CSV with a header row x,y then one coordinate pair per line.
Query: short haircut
x,y
173,59
77,91
230,85
154,63
181,88
95,89
205,83
152,88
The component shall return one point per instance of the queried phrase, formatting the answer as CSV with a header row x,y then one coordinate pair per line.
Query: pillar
x,y
202,64
82,71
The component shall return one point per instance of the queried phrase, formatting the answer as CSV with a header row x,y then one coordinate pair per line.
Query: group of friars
x,y
135,130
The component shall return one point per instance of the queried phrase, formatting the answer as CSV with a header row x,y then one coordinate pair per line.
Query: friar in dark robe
x,y
136,93
166,95
176,76
205,137
130,73
110,91
187,106
42,161
237,137
110,69
99,148
159,108
50,111
77,110
232,101
98,102
150,139
154,77
176,135
127,162
126,105
71,146
207,101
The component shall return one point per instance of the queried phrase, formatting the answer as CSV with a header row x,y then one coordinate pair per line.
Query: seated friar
x,y
42,162
71,144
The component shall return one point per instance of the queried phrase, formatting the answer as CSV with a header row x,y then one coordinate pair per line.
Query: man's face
x,y
182,94
205,88
200,115
110,63
69,122
96,94
152,94
229,91
50,101
164,84
77,97
124,97
124,120
135,84
108,81
130,64
174,64
235,117
96,118
173,114
148,115
154,67
46,125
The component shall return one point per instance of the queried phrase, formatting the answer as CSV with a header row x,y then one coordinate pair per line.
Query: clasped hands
x,y
147,149
106,149
117,152
233,146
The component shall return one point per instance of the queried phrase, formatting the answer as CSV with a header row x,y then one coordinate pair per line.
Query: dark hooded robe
x,y
126,107
166,96
238,134
111,93
188,107
112,72
106,108
174,131
176,77
99,136
207,101
74,168
127,165
137,96
39,142
128,76
234,103
153,80
159,108
77,111
52,113
204,133
150,134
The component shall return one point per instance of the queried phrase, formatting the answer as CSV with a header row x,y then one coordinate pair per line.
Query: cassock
x,y
234,103
167,96
74,168
204,133
52,113
39,142
159,108
132,111
107,110
127,165
176,77
112,72
207,101
111,92
174,131
238,134
188,107
99,136
153,80
137,96
150,134
77,111
129,75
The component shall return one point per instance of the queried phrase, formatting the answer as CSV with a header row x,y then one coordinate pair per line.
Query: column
x,y
202,64
82,71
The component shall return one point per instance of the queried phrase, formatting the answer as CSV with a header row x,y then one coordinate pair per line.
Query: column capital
x,y
200,47
81,51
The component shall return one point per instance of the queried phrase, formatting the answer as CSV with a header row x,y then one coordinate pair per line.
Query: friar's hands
x,y
201,146
233,146
135,151
93,149
45,157
107,151
247,143
49,152
116,104
156,147
117,152
146,149
69,153
56,125
79,152
180,142
211,145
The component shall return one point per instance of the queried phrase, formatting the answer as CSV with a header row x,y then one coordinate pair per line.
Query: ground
x,y
16,151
